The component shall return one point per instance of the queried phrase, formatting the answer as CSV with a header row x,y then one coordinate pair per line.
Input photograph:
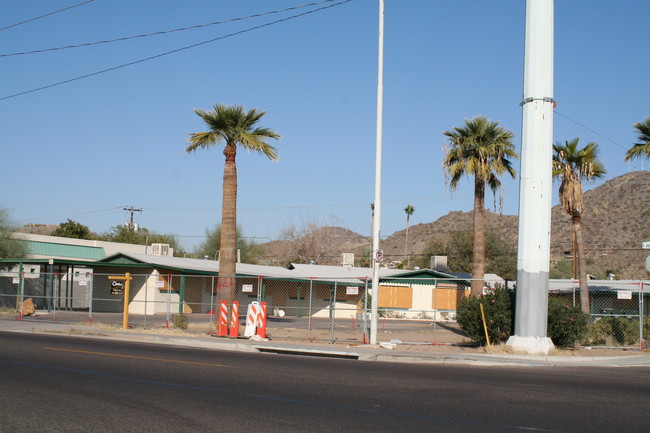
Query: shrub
x,y
179,321
566,324
614,331
498,316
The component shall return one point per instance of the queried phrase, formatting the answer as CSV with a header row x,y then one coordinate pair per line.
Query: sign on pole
x,y
379,255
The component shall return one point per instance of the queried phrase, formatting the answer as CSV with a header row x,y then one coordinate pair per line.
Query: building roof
x,y
51,250
599,285
41,242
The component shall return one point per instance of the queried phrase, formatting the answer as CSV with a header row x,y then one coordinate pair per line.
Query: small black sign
x,y
117,288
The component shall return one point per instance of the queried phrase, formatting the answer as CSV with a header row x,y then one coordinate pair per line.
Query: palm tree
x,y
481,148
571,165
642,148
409,211
234,127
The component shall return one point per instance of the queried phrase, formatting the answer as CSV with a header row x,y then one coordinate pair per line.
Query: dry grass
x,y
194,330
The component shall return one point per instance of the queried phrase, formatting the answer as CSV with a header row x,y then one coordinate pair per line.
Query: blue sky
x,y
85,149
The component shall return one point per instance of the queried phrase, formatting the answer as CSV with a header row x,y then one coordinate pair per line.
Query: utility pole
x,y
535,185
131,209
376,253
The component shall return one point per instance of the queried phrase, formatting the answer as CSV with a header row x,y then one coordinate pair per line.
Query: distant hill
x,y
38,229
615,223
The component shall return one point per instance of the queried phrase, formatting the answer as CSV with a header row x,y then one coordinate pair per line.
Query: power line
x,y
589,129
46,15
172,51
164,32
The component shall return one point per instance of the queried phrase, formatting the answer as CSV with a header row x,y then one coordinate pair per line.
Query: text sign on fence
x,y
117,288
624,294
247,288
351,290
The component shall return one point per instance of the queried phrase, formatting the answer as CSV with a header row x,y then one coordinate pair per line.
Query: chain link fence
x,y
618,311
417,311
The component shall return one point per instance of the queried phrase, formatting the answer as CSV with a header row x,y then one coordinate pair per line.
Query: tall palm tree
x,y
481,148
642,148
571,165
409,211
234,127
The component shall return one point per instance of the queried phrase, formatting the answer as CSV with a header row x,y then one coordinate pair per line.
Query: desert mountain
x,y
615,223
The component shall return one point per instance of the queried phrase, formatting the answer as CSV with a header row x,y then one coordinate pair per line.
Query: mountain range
x,y
615,224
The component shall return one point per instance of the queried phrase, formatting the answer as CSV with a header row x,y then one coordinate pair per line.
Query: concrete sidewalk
x,y
360,352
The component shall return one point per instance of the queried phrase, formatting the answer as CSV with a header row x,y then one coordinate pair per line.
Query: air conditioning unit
x,y
347,259
160,249
439,263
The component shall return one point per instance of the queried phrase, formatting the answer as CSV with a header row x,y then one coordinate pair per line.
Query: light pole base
x,y
531,345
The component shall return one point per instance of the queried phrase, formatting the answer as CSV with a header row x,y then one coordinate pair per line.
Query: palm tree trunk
x,y
406,244
226,287
582,264
478,252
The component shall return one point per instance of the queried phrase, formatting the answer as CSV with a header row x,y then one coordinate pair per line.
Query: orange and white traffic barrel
x,y
222,331
234,320
251,319
261,321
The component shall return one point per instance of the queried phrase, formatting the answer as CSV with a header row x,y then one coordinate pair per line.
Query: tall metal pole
x,y
535,186
377,216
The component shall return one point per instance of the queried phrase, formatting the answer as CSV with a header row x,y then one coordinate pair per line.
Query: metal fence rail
x,y
420,311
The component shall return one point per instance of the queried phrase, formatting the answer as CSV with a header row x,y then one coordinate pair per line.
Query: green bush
x,y
567,325
498,316
179,321
616,331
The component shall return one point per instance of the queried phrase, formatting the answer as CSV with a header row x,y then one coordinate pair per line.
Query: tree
x,y
500,257
249,250
409,211
480,149
126,235
10,247
309,242
642,148
570,166
73,229
234,127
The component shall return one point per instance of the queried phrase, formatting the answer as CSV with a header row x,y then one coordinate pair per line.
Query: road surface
x,y
67,384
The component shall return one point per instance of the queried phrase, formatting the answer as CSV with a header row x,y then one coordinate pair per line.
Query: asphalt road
x,y
66,384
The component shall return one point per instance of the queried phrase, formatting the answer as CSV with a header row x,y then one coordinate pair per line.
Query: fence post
x,y
311,285
641,342
20,295
333,309
181,295
365,311
50,287
211,304
146,296
91,293
435,309
299,310
169,299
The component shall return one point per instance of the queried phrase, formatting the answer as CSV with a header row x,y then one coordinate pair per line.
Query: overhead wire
x,y
167,53
164,32
590,129
45,15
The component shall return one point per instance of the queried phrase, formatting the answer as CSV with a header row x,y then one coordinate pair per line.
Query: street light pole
x,y
377,215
